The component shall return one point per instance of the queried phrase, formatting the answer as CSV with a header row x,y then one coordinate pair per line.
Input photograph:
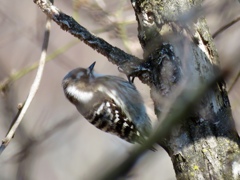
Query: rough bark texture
x,y
205,145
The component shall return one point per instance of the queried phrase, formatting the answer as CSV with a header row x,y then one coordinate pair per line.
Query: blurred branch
x,y
219,31
4,84
187,97
234,82
19,74
226,26
22,157
127,63
123,36
122,29
32,92
34,141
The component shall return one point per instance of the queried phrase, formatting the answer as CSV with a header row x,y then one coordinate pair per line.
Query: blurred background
x,y
54,141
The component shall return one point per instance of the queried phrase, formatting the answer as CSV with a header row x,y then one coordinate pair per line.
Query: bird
x,y
110,103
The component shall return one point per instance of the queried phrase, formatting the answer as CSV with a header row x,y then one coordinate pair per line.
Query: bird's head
x,y
79,76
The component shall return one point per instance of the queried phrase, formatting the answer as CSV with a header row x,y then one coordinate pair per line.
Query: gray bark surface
x,y
179,48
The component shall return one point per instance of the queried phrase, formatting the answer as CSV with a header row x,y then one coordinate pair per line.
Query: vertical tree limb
x,y
205,141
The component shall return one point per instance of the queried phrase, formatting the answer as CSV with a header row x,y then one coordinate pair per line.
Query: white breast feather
x,y
82,96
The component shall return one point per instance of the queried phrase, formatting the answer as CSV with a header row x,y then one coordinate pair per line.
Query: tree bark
x,y
178,48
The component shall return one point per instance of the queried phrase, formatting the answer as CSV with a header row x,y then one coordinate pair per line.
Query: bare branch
x,y
127,63
33,90
34,141
226,26
234,82
4,84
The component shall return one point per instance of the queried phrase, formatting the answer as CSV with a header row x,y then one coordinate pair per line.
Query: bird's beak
x,y
91,67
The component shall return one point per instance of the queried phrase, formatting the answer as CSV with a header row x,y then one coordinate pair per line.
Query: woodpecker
x,y
110,103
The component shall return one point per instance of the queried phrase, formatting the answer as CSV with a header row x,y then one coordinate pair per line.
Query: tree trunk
x,y
205,145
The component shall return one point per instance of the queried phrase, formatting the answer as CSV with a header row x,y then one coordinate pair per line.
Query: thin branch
x,y
19,74
226,26
34,141
32,91
234,82
4,84
127,63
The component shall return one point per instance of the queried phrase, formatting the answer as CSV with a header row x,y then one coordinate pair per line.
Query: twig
x,y
4,84
219,31
122,30
19,74
226,26
32,91
126,62
34,141
234,82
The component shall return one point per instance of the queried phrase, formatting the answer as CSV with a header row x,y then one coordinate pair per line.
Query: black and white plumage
x,y
110,103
